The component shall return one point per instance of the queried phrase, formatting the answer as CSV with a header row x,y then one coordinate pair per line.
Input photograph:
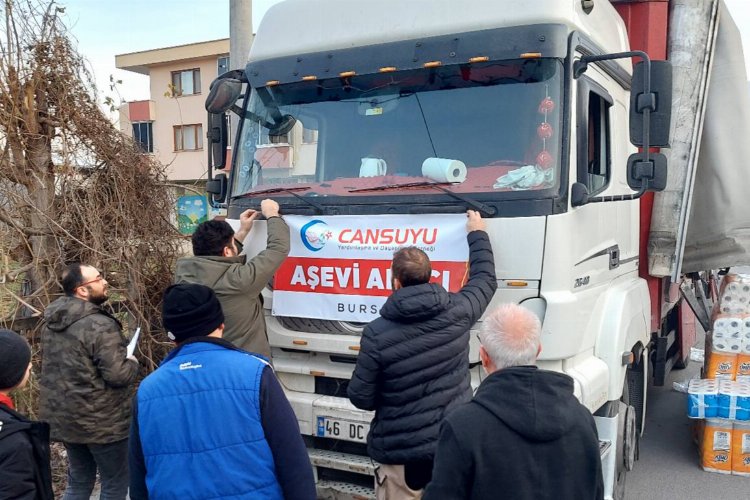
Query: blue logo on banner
x,y
315,234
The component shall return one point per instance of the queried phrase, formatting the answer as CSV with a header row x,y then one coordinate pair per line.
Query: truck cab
x,y
523,112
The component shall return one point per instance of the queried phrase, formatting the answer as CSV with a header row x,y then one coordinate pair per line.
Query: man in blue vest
x,y
212,421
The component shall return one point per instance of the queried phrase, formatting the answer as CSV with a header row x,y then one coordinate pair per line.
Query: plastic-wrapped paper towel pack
x,y
734,297
444,170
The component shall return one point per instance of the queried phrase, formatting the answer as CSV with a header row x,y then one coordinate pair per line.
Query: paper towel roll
x,y
728,327
444,170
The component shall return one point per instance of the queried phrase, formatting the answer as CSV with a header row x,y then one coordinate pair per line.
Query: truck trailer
x,y
377,125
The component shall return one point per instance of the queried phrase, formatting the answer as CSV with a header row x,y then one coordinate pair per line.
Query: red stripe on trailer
x,y
647,23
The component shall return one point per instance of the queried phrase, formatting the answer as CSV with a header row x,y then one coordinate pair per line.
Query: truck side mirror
x,y
648,175
218,137
658,101
217,188
222,95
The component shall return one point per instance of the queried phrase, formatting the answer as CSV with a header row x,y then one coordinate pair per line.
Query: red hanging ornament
x,y
544,130
544,159
546,105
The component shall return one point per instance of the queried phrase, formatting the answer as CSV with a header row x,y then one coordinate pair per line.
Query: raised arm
x,y
253,276
482,283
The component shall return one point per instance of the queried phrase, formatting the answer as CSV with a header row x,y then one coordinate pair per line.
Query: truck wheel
x,y
627,447
633,392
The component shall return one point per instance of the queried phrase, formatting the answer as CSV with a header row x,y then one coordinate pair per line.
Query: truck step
x,y
342,461
336,490
604,448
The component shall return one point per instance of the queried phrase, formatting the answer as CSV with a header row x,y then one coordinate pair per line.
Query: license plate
x,y
342,429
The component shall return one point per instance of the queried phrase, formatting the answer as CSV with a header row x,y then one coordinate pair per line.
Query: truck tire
x,y
633,393
627,447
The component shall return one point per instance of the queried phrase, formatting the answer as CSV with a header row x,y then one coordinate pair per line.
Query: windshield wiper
x,y
279,190
482,207
291,190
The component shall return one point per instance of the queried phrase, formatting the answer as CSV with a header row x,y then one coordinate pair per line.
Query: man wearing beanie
x,y
236,279
24,445
86,385
212,421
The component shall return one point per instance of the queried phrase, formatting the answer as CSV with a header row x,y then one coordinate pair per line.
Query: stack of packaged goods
x,y
722,398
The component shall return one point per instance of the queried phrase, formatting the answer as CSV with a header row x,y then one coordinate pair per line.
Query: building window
x,y
143,134
188,137
223,65
186,82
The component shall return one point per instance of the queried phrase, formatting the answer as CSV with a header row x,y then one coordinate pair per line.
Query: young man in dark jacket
x,y
24,445
237,280
524,435
86,384
212,421
413,364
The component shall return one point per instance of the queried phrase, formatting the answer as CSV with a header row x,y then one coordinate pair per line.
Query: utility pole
x,y
240,32
240,39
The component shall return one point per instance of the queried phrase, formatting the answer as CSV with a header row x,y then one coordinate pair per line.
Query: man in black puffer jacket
x,y
413,365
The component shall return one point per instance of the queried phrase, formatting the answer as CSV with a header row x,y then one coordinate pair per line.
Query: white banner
x,y
339,268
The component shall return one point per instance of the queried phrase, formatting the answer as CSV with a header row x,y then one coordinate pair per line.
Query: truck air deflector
x,y
494,44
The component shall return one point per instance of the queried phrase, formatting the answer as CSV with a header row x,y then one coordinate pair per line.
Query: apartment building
x,y
171,125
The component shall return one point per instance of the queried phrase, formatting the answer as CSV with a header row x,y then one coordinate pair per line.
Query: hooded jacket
x,y
523,436
413,364
85,387
238,282
24,457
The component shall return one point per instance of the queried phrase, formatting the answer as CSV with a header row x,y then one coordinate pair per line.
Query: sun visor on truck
x,y
549,40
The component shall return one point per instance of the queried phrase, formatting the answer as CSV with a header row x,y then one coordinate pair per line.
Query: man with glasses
x,y
524,435
86,384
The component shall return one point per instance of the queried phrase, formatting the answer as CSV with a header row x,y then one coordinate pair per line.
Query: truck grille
x,y
320,326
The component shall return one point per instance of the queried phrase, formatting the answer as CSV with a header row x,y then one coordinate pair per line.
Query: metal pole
x,y
240,39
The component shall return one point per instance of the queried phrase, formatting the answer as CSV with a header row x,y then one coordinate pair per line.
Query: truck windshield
x,y
486,127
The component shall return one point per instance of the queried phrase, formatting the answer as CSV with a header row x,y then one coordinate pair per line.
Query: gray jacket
x,y
238,282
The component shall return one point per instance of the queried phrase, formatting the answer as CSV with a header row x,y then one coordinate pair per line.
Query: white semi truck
x,y
376,124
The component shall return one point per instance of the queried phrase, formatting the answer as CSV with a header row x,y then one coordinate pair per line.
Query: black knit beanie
x,y
15,355
190,310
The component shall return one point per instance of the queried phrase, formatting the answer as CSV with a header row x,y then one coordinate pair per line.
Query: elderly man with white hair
x,y
524,435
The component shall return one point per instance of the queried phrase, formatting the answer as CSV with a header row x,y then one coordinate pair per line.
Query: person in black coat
x,y
524,435
413,364
24,445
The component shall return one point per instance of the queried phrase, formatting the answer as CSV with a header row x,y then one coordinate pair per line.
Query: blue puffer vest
x,y
200,426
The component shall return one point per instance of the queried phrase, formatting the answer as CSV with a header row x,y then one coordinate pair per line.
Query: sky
x,y
106,28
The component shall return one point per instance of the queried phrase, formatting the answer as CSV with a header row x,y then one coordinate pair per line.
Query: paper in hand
x,y
133,342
